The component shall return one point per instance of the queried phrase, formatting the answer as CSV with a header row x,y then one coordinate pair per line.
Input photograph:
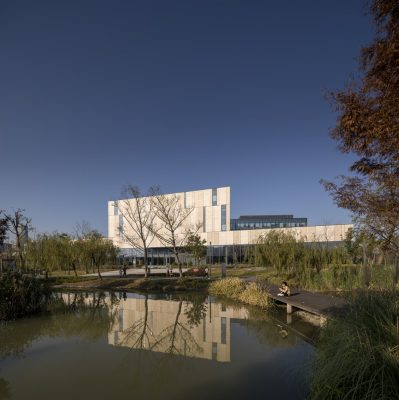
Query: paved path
x,y
137,272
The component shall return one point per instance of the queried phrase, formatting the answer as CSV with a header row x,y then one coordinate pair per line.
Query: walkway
x,y
138,272
324,305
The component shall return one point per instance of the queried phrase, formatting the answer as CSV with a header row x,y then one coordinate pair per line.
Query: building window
x,y
223,217
115,208
214,351
204,218
185,200
214,197
223,329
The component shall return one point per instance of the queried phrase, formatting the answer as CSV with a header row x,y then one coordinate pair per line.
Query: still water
x,y
126,345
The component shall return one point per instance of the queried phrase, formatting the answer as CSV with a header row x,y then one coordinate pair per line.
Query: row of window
x,y
265,225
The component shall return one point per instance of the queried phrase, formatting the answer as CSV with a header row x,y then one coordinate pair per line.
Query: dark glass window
x,y
223,217
223,330
214,351
214,197
115,208
204,218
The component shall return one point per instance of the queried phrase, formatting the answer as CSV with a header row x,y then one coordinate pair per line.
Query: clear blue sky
x,y
186,94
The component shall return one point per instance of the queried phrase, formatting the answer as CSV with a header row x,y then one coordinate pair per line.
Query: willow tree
x,y
368,127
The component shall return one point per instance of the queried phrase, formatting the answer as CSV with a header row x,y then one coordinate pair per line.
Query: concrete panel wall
x,y
199,199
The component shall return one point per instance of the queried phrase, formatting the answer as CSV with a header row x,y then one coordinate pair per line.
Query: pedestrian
x,y
124,271
120,272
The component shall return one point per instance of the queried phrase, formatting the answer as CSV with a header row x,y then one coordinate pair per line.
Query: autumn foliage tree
x,y
368,126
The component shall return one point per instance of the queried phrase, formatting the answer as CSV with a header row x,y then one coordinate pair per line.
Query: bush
x,y
235,288
21,295
357,356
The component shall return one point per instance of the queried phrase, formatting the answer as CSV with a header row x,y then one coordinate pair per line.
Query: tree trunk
x,y
98,268
145,262
98,272
74,269
173,336
143,333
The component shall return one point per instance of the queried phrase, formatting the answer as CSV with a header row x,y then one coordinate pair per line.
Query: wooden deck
x,y
323,305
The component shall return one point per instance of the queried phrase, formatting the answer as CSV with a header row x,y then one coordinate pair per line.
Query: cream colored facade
x,y
211,206
163,326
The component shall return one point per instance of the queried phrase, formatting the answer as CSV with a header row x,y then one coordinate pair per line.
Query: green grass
x,y
136,284
357,356
333,277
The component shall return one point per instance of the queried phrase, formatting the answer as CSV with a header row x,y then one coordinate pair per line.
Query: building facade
x,y
209,214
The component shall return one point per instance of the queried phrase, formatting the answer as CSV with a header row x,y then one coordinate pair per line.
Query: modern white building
x,y
209,213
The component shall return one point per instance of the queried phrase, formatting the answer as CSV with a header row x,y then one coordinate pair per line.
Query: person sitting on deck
x,y
284,289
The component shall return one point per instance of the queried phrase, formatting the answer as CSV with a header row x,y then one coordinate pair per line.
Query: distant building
x,y
226,238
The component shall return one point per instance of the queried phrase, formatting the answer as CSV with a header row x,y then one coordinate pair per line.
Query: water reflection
x,y
106,345
199,330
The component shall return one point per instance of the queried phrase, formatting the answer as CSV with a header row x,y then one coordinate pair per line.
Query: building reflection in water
x,y
175,327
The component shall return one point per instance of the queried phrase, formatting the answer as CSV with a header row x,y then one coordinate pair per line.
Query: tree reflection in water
x,y
5,392
74,314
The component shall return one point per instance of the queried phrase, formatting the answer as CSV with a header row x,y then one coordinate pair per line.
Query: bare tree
x,y
172,216
138,214
3,230
18,225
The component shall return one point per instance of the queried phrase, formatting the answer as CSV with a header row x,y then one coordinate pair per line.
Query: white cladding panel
x,y
200,200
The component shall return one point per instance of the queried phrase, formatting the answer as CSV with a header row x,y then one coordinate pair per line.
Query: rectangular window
x,y
185,200
115,208
214,197
214,351
223,217
223,330
204,219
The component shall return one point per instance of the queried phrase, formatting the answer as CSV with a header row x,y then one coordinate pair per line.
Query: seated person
x,y
284,289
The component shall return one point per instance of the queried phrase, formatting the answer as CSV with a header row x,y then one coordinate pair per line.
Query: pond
x,y
125,345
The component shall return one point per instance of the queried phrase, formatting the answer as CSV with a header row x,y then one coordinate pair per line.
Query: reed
x,y
357,356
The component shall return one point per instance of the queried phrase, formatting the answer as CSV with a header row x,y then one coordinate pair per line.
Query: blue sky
x,y
185,94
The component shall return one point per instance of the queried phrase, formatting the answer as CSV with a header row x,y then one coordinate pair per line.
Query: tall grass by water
x,y
357,356
321,266
236,289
